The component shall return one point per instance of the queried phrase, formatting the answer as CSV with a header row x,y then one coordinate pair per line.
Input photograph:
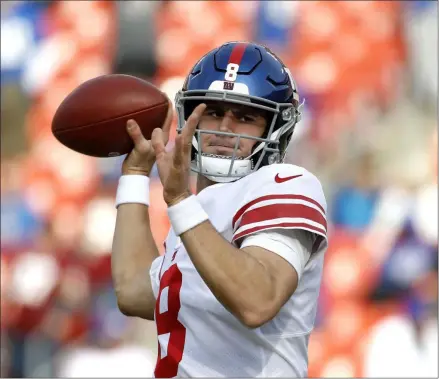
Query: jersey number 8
x,y
167,323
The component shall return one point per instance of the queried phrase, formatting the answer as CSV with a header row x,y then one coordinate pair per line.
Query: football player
x,y
235,293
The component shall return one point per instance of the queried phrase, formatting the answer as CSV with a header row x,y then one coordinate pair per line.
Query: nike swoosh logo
x,y
278,179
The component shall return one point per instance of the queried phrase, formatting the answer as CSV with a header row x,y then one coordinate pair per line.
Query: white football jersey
x,y
197,336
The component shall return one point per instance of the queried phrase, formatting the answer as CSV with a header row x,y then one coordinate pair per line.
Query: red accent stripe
x,y
296,225
271,197
237,53
274,211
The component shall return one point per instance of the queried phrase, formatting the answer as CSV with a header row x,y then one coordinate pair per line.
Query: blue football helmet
x,y
248,74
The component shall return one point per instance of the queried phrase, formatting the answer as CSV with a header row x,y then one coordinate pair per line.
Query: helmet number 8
x,y
232,72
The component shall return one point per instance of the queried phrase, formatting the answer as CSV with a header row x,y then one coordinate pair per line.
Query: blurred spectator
x,y
421,24
361,194
20,226
274,21
116,362
136,27
14,105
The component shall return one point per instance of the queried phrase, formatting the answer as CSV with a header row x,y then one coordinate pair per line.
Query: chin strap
x,y
216,169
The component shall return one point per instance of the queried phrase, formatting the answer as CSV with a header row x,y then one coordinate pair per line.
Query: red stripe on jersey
x,y
297,225
274,211
237,53
271,197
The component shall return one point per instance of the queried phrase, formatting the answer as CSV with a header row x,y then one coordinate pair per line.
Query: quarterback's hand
x,y
141,159
174,166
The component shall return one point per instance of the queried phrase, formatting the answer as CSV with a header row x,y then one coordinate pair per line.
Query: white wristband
x,y
186,214
132,189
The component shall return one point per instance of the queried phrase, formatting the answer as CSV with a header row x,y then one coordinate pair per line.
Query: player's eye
x,y
247,118
214,113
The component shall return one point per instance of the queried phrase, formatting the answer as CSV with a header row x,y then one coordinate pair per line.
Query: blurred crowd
x,y
368,72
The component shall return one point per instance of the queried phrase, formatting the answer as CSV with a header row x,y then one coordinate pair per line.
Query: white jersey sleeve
x,y
282,196
293,245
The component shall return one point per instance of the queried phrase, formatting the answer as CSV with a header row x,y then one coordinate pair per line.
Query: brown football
x,y
92,119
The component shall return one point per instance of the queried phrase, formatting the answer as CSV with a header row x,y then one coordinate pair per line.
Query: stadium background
x,y
368,71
